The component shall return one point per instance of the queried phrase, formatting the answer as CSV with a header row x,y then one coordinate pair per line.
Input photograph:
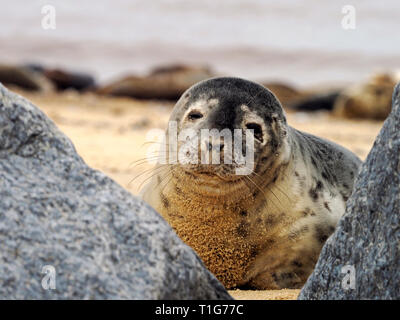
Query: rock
x,y
103,242
162,83
70,80
24,78
370,99
368,235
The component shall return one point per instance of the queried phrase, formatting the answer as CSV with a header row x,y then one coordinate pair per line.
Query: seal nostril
x,y
210,147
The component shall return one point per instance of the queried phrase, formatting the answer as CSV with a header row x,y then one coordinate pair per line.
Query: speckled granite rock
x,y
103,242
368,235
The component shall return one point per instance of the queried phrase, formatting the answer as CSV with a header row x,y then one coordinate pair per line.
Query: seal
x,y
264,229
165,82
371,99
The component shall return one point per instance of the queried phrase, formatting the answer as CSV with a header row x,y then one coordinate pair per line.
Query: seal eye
x,y
257,130
194,115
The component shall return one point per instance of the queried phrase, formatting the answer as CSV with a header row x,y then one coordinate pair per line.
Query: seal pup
x,y
371,99
262,230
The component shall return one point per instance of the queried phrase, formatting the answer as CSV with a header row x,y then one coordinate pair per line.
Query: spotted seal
x,y
265,229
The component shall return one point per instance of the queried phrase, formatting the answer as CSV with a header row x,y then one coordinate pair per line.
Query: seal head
x,y
225,105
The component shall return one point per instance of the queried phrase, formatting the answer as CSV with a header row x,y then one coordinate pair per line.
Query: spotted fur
x,y
264,234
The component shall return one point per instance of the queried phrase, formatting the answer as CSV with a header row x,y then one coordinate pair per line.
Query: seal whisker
x,y
279,189
170,174
143,161
155,142
269,190
155,173
144,172
248,178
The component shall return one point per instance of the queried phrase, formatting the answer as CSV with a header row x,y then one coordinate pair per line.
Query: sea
x,y
299,42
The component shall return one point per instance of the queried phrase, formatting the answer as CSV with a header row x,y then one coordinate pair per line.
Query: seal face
x,y
264,229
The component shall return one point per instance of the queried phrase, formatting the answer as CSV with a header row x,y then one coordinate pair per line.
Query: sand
x,y
110,135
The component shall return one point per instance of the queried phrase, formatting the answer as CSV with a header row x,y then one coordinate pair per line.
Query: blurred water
x,y
300,41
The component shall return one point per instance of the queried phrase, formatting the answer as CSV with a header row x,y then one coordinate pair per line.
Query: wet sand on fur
x,y
110,135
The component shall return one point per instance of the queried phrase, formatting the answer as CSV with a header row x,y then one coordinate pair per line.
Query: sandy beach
x,y
110,135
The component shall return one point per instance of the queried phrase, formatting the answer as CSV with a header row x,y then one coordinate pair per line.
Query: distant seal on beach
x,y
263,230
371,99
165,82
24,77
286,93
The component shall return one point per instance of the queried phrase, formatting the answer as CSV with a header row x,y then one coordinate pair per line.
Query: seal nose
x,y
210,147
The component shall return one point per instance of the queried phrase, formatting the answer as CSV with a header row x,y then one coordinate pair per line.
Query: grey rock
x,y
103,242
368,235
